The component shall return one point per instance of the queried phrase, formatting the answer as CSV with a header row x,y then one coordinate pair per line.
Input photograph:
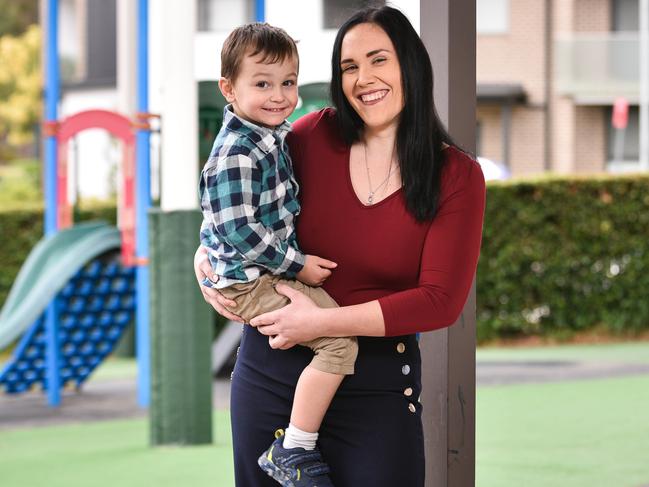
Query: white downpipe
x,y
644,84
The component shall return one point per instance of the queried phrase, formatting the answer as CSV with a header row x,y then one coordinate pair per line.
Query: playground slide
x,y
50,265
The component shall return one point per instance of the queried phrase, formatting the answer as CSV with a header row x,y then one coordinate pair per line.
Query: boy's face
x,y
265,94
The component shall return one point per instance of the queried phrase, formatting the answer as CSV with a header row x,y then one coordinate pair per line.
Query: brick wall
x,y
578,138
592,15
516,56
563,135
527,141
526,138
578,132
490,134
563,16
590,139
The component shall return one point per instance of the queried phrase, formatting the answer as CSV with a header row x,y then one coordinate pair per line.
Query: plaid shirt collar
x,y
263,137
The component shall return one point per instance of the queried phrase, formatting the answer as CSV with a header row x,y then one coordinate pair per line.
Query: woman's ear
x,y
227,89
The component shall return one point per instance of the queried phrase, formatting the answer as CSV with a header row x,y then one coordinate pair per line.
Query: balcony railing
x,y
597,68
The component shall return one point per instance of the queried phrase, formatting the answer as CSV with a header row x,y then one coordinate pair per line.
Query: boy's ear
x,y
227,89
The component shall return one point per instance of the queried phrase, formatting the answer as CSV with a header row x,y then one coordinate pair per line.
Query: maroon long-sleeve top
x,y
420,273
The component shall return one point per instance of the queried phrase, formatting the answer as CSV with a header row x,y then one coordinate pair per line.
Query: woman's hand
x,y
295,323
203,269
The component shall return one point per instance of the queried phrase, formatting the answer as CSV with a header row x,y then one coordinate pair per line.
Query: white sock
x,y
295,437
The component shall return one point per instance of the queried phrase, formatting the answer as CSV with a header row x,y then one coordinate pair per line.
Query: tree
x,y
20,86
17,16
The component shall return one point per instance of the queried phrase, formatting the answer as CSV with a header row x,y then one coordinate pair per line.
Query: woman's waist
x,y
383,363
350,293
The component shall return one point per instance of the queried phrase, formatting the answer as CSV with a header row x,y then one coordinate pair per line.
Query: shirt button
x,y
412,407
408,391
238,348
401,347
405,370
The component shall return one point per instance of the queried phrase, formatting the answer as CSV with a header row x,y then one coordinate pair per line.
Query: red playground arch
x,y
122,128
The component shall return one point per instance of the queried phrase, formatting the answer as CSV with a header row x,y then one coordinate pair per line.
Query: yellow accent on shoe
x,y
279,433
270,454
298,474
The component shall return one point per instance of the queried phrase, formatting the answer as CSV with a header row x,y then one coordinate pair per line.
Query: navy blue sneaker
x,y
294,467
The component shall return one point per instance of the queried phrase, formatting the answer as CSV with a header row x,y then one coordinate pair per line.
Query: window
x,y
492,16
626,15
335,12
88,43
630,143
101,63
224,15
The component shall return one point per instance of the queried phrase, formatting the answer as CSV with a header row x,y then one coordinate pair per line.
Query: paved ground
x,y
98,400
112,398
494,372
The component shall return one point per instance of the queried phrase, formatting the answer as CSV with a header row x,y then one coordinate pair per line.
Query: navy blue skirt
x,y
372,432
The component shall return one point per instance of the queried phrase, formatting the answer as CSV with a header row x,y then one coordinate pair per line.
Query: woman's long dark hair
x,y
420,133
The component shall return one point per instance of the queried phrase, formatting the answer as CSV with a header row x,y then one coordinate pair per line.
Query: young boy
x,y
249,201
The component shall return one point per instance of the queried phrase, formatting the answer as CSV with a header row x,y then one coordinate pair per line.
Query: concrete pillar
x,y
448,370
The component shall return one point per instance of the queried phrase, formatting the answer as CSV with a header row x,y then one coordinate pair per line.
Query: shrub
x,y
21,229
563,255
559,255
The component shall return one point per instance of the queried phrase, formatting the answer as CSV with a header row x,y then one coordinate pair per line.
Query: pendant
x,y
370,198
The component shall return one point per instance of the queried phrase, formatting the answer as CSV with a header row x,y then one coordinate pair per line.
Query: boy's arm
x,y
230,197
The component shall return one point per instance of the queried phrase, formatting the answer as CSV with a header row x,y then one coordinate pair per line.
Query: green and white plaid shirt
x,y
249,200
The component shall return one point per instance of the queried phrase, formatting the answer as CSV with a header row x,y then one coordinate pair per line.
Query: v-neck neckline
x,y
348,170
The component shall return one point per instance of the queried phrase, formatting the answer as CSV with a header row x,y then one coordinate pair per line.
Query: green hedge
x,y
558,256
20,230
564,255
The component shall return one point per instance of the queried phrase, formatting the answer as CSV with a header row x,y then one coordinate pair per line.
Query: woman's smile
x,y
373,97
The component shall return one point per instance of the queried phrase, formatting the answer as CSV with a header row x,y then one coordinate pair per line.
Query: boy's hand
x,y
203,269
315,271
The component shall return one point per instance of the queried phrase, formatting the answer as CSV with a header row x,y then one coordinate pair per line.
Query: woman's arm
x,y
302,320
447,268
448,260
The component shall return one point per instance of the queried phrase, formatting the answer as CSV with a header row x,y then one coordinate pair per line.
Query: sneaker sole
x,y
272,471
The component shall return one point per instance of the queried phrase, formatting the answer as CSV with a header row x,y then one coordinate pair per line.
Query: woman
x,y
387,196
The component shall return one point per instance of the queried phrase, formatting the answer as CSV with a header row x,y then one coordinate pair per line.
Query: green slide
x,y
51,263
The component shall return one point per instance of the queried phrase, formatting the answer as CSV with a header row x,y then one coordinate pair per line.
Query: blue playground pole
x,y
51,116
142,204
260,10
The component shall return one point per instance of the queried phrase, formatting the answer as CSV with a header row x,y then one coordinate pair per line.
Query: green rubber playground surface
x,y
591,433
588,433
112,454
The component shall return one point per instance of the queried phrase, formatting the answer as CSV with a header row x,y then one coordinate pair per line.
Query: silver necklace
x,y
370,196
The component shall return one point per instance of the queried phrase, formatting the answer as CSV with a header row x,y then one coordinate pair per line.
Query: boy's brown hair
x,y
251,39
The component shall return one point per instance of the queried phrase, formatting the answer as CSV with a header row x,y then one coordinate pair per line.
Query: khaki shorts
x,y
332,355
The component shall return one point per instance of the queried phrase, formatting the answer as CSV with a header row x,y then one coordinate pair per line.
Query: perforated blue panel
x,y
94,308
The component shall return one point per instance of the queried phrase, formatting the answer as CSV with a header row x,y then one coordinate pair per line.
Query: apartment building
x,y
549,72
